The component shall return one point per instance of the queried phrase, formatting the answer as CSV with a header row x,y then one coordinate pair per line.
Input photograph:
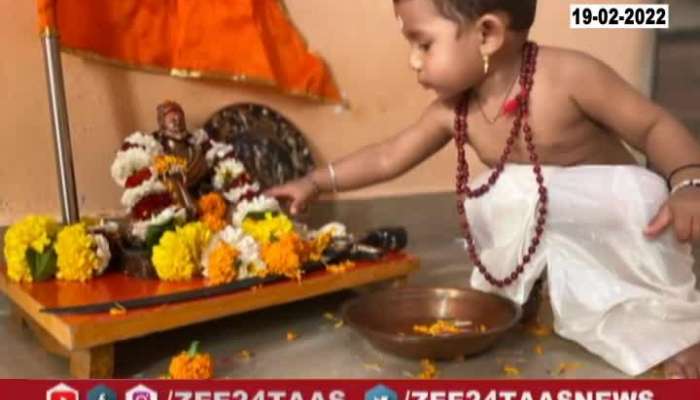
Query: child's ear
x,y
492,28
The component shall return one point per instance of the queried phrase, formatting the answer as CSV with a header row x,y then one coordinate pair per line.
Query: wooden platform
x,y
88,339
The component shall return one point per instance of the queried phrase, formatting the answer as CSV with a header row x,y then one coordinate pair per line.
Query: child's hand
x,y
299,192
682,210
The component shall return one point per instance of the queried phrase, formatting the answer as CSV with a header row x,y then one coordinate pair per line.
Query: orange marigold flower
x,y
212,204
191,365
213,222
222,264
284,257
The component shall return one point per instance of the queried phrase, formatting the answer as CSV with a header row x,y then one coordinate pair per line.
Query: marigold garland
x,y
33,231
212,222
272,226
176,256
212,203
285,256
77,259
212,211
222,264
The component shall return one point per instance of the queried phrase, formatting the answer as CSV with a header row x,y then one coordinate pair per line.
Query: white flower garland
x,y
132,196
129,161
227,171
260,203
217,151
147,142
104,255
140,228
234,195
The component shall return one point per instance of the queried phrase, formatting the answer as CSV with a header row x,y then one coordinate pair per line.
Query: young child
x,y
563,193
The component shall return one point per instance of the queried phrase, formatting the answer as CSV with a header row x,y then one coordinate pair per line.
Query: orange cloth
x,y
243,40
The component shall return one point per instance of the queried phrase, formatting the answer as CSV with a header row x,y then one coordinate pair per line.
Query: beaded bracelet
x,y
677,170
686,183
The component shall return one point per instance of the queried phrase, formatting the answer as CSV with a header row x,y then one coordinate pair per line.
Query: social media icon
x,y
141,392
101,392
380,392
62,392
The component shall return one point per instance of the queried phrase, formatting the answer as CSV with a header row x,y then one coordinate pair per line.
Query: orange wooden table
x,y
88,339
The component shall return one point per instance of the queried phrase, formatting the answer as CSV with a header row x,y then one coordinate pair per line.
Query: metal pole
x,y
59,123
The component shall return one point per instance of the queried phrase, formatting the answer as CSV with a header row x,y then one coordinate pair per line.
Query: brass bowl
x,y
386,319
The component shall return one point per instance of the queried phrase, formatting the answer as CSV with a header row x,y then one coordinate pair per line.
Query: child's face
x,y
445,60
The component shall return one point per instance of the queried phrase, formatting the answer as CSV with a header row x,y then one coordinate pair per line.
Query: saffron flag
x,y
241,40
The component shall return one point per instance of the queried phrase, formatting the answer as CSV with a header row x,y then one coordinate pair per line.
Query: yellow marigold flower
x,y
196,235
212,204
222,264
282,257
77,259
272,227
166,164
191,365
35,232
176,256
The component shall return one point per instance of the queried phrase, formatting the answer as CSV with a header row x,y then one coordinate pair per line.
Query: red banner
x,y
350,390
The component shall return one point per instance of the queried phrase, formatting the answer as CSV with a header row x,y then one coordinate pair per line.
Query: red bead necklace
x,y
527,72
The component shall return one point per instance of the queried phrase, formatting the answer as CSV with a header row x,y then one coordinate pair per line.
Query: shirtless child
x,y
550,123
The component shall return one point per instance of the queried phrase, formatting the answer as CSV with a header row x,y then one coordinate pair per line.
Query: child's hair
x,y
521,12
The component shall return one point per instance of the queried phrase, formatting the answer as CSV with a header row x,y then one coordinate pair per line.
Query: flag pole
x,y
59,124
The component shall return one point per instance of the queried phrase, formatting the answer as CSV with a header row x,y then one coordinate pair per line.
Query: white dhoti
x,y
625,297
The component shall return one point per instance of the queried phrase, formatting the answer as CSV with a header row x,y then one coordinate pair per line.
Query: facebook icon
x,y
101,392
380,392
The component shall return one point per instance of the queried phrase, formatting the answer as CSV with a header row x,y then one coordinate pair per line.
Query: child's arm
x,y
606,98
377,162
